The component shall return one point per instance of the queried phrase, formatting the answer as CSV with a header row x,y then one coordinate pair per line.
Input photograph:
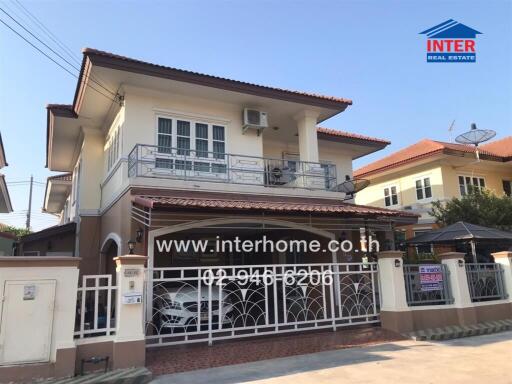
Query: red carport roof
x,y
259,204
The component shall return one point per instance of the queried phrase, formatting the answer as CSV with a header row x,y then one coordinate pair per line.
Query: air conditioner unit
x,y
254,119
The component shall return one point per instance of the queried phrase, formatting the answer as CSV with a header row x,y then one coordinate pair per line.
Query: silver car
x,y
181,307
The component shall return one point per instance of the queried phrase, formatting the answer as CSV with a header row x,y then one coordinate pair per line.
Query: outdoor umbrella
x,y
461,232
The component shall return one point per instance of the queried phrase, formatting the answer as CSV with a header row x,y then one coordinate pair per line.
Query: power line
x,y
50,58
63,47
45,30
53,51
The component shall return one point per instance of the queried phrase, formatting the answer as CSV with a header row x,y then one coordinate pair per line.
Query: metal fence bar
x,y
420,293
485,281
94,303
257,300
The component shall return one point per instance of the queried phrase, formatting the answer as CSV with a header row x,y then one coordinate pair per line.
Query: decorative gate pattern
x,y
197,304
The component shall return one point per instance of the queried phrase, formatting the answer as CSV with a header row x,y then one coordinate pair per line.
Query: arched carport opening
x,y
110,248
217,231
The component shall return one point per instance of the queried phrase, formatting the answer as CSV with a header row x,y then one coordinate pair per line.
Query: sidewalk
x,y
481,359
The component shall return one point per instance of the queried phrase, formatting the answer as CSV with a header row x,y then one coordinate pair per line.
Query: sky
x,y
368,51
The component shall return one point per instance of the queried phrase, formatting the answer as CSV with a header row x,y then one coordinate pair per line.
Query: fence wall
x,y
469,294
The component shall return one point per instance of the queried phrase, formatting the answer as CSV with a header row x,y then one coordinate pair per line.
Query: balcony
x,y
187,164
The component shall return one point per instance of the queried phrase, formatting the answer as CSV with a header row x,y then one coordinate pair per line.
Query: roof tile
x,y
304,206
92,51
427,147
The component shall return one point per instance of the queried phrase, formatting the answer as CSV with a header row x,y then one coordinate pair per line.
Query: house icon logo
x,y
451,42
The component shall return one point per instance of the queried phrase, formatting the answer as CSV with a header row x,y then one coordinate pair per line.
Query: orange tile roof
x,y
426,148
285,205
92,51
502,147
349,135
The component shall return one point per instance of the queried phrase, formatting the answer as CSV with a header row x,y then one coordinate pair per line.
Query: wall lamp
x,y
139,234
131,246
398,263
461,263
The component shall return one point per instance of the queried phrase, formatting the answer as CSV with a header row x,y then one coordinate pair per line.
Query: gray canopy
x,y
460,231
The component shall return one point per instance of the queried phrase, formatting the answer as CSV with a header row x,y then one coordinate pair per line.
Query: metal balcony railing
x,y
188,164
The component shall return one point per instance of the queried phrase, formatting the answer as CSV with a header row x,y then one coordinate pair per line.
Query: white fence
x,y
95,310
197,304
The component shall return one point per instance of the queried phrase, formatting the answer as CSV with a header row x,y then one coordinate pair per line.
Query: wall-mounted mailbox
x,y
132,298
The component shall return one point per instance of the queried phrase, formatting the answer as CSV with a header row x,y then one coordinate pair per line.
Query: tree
x,y
18,232
479,206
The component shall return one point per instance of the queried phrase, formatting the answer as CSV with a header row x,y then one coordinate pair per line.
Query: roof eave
x,y
92,57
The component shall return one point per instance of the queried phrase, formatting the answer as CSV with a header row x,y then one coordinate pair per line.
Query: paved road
x,y
481,359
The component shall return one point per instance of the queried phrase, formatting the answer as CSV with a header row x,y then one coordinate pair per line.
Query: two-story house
x,y
152,152
411,178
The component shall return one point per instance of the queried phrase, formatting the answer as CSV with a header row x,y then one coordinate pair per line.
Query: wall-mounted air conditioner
x,y
254,119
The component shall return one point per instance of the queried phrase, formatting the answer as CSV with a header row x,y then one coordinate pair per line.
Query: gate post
x,y
505,259
395,314
129,349
458,279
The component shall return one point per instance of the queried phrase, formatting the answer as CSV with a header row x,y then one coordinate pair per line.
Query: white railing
x,y
188,164
95,310
197,304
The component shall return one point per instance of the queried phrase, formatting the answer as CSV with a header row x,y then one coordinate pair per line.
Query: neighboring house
x,y
177,154
7,242
411,178
5,200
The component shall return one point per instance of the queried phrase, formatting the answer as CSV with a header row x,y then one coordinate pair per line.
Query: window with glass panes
x,y
390,196
164,135
468,182
423,188
219,144
193,139
201,140
183,137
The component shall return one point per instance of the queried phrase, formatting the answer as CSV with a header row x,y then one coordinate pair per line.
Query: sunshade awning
x,y
461,231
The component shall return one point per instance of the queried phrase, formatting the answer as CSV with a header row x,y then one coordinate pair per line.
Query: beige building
x,y
411,178
154,151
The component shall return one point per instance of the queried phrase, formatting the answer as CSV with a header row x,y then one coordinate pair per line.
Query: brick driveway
x,y
166,360
472,360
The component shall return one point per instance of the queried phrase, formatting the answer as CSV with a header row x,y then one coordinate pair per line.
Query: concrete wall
x,y
64,271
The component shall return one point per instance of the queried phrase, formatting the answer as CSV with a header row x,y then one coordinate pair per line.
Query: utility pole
x,y
29,212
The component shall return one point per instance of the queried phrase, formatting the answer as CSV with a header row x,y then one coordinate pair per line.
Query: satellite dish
x,y
475,136
351,186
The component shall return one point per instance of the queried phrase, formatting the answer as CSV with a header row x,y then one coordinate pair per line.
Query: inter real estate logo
x,y
451,42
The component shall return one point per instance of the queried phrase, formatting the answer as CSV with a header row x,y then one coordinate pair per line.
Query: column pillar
x,y
129,349
308,140
505,259
454,261
395,313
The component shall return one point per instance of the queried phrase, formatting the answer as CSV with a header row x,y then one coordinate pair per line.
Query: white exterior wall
x,y
64,305
143,106
137,122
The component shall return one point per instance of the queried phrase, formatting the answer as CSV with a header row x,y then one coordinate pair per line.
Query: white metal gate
x,y
197,304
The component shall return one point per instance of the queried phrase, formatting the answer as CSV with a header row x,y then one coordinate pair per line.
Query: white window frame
x,y
391,195
471,177
193,150
76,183
113,148
422,181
